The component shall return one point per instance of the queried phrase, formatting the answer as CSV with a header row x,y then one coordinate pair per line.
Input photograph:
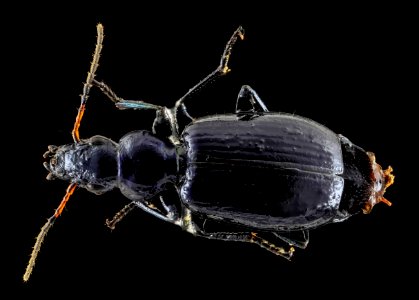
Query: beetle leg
x,y
120,102
250,237
164,206
185,112
164,116
120,215
247,96
164,120
197,228
298,239
171,211
271,247
221,70
170,216
170,115
168,213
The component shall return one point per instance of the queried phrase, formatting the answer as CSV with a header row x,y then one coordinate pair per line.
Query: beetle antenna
x,y
88,84
44,231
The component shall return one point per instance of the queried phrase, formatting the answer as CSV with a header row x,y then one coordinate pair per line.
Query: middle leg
x,y
163,114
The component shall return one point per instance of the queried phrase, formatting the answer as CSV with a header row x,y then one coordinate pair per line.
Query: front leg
x,y
163,206
164,121
120,102
164,114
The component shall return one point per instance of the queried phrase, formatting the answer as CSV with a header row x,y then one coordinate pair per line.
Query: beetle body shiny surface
x,y
252,176
272,172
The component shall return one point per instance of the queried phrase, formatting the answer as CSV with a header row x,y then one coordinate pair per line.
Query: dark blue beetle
x,y
253,176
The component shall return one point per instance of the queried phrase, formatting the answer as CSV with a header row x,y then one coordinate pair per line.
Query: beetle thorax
x,y
146,164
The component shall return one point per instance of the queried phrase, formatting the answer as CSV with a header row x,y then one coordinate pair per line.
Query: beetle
x,y
252,176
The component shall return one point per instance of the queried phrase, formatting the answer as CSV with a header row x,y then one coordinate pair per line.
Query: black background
x,y
345,67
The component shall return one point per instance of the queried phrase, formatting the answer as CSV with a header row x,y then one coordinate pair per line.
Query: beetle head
x,y
381,181
55,162
90,163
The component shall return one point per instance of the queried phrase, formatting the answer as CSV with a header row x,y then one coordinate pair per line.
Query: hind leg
x,y
197,228
298,239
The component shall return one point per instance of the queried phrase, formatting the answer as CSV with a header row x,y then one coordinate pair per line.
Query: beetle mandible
x,y
280,174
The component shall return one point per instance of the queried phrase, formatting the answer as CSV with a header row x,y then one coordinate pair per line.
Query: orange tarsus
x,y
70,191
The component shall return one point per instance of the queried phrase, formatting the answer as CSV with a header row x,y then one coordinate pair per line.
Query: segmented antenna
x,y
75,133
88,84
44,231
